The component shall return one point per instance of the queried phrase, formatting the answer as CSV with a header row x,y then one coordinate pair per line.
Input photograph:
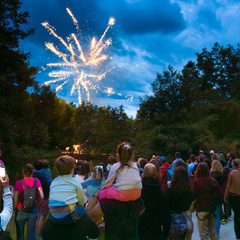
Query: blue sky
x,y
148,36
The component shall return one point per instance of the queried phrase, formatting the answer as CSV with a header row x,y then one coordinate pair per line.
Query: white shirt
x,y
65,190
128,178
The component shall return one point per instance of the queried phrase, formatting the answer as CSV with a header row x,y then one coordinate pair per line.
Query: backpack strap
x,y
26,186
163,168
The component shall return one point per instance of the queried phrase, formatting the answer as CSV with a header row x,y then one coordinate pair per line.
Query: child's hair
x,y
84,170
124,153
111,159
45,164
64,164
28,170
38,164
97,173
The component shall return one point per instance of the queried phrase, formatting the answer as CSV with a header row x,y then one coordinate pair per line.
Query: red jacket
x,y
163,174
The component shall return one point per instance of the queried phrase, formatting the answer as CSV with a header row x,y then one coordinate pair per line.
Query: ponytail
x,y
124,153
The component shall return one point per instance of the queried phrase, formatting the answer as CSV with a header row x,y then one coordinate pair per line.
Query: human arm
x,y
41,194
80,194
7,211
228,186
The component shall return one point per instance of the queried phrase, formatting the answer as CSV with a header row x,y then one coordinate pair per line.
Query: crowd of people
x,y
145,200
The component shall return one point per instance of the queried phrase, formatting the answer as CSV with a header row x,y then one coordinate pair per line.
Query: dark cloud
x,y
142,17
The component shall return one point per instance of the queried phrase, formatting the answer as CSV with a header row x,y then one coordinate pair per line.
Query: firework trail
x,y
75,63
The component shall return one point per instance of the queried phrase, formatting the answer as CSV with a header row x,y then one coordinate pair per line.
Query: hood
x,y
166,165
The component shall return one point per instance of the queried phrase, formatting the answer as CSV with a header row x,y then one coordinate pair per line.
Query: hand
x,y
5,181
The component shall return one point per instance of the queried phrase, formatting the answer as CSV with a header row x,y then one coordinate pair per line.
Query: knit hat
x,y
162,159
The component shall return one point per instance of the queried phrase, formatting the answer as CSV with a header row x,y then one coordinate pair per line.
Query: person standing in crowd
x,y
216,172
155,221
232,194
164,167
84,173
181,216
93,185
178,157
232,156
111,161
141,163
193,162
207,193
42,172
235,164
26,212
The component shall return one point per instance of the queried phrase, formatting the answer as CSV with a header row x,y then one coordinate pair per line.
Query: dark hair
x,y
84,170
143,162
103,167
64,164
28,170
45,164
181,164
208,162
111,159
124,153
38,164
181,180
202,170
178,154
233,155
226,171
192,158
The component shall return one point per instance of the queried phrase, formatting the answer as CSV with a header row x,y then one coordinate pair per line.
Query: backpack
x,y
170,172
29,197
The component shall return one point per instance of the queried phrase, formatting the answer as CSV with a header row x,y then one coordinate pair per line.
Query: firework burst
x,y
77,66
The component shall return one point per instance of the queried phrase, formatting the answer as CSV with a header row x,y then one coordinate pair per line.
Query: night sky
x,y
148,36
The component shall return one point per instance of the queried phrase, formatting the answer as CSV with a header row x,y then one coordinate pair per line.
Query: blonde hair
x,y
216,166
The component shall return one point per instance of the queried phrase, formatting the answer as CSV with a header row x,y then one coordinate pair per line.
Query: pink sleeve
x,y
18,186
38,184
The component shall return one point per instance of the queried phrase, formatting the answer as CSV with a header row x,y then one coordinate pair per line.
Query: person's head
x,y
235,163
64,164
103,167
232,155
111,160
214,156
180,180
124,153
162,160
27,170
211,152
216,166
192,158
38,164
84,170
150,171
178,155
142,162
156,163
181,164
97,173
45,164
202,170
208,162
226,171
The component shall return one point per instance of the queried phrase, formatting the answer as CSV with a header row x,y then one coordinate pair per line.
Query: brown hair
x,y
64,164
202,170
28,170
124,153
84,170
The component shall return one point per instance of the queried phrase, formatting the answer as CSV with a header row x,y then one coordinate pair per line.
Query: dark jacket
x,y
121,218
155,221
207,193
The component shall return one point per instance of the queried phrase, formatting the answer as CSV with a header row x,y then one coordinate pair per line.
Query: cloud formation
x,y
147,37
